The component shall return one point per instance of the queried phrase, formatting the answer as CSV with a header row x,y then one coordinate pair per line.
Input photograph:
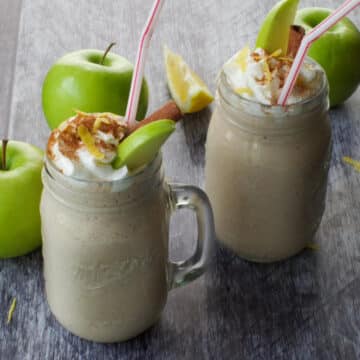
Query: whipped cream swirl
x,y
258,76
85,145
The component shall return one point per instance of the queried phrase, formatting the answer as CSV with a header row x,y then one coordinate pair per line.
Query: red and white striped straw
x,y
308,39
138,73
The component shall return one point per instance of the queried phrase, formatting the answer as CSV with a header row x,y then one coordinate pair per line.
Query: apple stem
x,y
4,146
106,52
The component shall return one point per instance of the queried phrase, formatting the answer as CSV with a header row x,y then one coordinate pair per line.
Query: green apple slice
x,y
140,147
275,30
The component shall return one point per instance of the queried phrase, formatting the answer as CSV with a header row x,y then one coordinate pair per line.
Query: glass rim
x,y
149,169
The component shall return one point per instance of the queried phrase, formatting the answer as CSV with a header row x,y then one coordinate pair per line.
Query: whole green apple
x,y
20,191
79,81
337,51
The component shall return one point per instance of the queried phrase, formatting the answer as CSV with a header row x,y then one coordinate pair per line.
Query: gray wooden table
x,y
303,308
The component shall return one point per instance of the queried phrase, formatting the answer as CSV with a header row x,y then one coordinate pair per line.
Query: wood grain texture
x,y
9,24
303,308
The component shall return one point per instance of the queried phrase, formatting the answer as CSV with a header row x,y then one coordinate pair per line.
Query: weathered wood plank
x,y
9,23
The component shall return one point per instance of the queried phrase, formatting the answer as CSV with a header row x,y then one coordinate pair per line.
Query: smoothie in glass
x,y
106,233
267,165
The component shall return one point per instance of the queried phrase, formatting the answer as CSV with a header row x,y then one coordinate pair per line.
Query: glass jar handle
x,y
191,197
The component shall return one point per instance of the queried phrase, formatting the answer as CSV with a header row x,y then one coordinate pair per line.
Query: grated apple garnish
x,y
11,310
267,72
241,58
354,163
89,142
81,113
286,59
100,120
244,90
276,53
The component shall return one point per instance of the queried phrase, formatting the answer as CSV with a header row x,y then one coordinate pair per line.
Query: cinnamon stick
x,y
168,111
297,33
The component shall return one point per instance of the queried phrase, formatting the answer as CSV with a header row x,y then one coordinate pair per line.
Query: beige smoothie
x,y
267,166
105,267
105,235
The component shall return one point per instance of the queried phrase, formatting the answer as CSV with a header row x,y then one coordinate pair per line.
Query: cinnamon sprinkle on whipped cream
x,y
85,145
259,76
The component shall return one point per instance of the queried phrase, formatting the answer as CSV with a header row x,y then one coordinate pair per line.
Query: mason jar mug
x,y
266,172
105,247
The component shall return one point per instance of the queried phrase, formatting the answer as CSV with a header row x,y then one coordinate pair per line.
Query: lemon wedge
x,y
187,89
